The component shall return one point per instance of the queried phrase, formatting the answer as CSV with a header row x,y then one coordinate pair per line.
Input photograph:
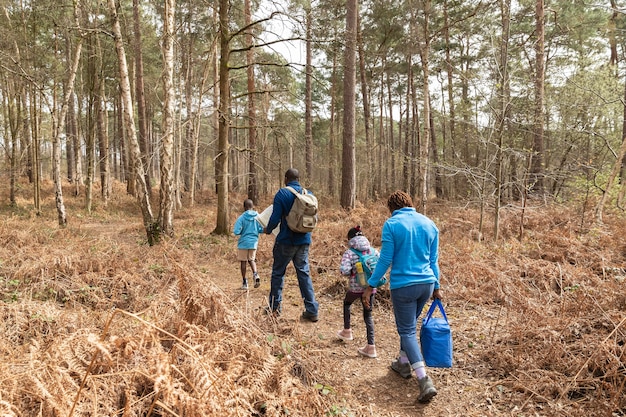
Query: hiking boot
x,y
427,389
257,281
345,334
404,369
310,316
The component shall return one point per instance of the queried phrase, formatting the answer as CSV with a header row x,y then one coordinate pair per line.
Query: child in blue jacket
x,y
248,229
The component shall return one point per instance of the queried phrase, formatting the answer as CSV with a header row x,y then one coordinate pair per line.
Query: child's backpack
x,y
302,217
367,262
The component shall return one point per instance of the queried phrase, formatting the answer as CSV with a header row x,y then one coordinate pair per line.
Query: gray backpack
x,y
302,217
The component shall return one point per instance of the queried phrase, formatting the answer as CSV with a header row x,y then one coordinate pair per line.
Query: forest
x,y
488,102
132,131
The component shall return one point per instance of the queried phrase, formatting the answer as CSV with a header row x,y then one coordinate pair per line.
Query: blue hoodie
x,y
410,245
248,229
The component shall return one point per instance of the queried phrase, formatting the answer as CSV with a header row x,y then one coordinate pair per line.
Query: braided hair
x,y
399,199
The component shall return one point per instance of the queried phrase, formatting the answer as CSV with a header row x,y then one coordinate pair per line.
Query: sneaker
x,y
427,389
244,286
368,350
257,281
404,369
345,334
310,316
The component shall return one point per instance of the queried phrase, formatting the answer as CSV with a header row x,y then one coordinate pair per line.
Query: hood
x,y
359,243
250,214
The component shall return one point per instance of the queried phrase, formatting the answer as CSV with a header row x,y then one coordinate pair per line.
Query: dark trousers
x,y
350,298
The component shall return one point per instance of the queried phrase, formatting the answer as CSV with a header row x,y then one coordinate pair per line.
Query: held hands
x,y
366,297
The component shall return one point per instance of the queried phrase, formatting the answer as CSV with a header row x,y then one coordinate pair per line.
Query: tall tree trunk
x,y
381,141
537,168
612,33
35,149
143,195
415,138
92,86
102,130
332,141
103,144
166,209
13,118
308,100
221,164
58,127
391,178
348,170
187,87
434,151
196,131
450,149
253,189
70,138
368,183
424,163
73,142
140,97
406,149
503,81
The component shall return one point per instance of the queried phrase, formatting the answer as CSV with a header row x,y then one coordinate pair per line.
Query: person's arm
x,y
434,258
434,265
385,258
346,263
277,213
237,229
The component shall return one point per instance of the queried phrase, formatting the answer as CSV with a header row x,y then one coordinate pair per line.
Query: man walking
x,y
290,246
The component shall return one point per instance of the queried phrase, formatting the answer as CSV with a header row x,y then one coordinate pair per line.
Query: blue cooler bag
x,y
436,338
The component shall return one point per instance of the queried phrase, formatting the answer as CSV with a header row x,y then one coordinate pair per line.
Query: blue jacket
x,y
410,245
248,229
283,200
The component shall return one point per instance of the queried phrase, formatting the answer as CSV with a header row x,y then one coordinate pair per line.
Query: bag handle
x,y
436,303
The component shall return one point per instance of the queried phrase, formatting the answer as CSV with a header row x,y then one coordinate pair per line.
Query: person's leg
x,y
282,256
346,333
368,350
242,257
408,303
252,260
347,303
301,264
369,321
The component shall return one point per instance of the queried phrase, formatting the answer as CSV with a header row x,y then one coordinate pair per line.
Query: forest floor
x,y
95,322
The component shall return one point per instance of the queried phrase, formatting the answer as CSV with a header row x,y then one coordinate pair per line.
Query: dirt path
x,y
369,384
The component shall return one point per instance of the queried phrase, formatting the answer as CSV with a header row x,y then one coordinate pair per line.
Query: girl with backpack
x,y
357,242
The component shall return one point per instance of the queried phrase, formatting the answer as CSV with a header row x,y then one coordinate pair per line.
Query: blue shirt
x,y
410,246
248,229
283,200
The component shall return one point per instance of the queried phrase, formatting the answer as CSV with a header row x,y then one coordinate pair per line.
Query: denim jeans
x,y
408,303
299,255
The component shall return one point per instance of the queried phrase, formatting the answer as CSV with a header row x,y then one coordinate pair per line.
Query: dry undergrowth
x,y
94,322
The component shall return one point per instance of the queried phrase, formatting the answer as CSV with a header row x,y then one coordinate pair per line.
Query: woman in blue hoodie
x,y
248,228
410,246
